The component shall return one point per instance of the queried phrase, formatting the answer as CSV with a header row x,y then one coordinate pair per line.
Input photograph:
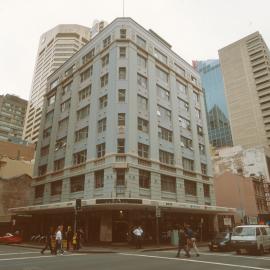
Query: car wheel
x,y
238,252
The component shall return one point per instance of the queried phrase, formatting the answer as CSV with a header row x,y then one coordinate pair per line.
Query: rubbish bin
x,y
174,238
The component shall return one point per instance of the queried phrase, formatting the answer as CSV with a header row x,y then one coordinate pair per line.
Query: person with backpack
x,y
48,241
191,240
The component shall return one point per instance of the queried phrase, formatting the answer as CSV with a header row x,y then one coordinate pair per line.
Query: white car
x,y
251,238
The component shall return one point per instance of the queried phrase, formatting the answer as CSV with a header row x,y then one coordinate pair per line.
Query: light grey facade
x,y
153,142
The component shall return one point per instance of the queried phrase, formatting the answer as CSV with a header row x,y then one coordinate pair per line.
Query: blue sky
x,y
196,29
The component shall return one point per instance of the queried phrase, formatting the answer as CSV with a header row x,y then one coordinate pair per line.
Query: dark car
x,y
221,242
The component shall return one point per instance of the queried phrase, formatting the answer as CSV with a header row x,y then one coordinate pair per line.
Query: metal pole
x,y
75,221
157,231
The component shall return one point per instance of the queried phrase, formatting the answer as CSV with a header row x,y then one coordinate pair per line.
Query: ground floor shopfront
x,y
112,220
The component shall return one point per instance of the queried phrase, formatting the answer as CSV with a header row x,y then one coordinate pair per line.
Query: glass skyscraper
x,y
217,114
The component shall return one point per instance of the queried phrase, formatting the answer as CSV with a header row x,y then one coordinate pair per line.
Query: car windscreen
x,y
244,231
221,235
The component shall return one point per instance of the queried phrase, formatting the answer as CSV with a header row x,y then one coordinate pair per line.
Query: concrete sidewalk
x,y
112,248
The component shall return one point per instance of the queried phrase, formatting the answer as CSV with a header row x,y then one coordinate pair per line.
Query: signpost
x,y
158,214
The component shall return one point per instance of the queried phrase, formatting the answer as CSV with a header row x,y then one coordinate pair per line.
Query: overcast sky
x,y
196,29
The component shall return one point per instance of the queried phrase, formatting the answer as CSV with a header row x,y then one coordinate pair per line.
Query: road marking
x,y
228,255
195,261
18,253
38,257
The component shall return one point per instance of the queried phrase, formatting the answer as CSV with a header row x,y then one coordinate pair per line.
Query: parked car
x,y
10,238
221,242
251,238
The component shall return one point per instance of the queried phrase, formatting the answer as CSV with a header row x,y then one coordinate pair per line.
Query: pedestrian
x,y
69,235
80,234
59,238
74,241
138,232
182,242
191,240
48,241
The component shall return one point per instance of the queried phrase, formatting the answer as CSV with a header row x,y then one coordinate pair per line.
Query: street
x,y
19,258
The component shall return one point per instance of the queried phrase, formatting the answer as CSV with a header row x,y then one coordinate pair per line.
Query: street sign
x,y
227,221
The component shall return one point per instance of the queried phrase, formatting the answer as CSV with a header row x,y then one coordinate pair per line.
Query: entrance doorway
x,y
119,231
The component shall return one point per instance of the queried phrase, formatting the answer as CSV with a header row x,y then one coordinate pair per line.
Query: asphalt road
x,y
19,258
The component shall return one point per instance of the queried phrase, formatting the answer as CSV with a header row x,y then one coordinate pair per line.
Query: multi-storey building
x,y
12,116
124,129
217,113
246,72
55,47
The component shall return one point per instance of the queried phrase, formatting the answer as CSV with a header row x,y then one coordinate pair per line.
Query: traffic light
x,y
78,204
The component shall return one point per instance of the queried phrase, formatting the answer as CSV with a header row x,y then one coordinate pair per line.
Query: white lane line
x,y
38,257
196,261
228,255
18,253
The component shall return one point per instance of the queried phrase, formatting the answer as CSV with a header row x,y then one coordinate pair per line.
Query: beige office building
x,y
246,72
55,47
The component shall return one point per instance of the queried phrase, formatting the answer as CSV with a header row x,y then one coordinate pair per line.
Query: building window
x,y
163,93
63,124
168,183
193,79
199,130
188,164
122,73
165,134
89,56
54,83
120,146
59,164
142,81
195,97
51,100
186,142
143,125
166,157
204,168
142,103
39,191
49,116
160,56
122,52
141,42
182,88
65,106
106,41
47,132
164,113
206,190
197,113
84,93
70,70
81,134
123,33
86,74
83,113
100,150
121,95
60,143
102,125
183,105
44,151
162,75
190,188
104,80
179,70
184,123
105,60
66,89
103,101
144,179
120,177
56,188
99,179
77,183
143,150
141,61
79,157
121,119
42,170
202,149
